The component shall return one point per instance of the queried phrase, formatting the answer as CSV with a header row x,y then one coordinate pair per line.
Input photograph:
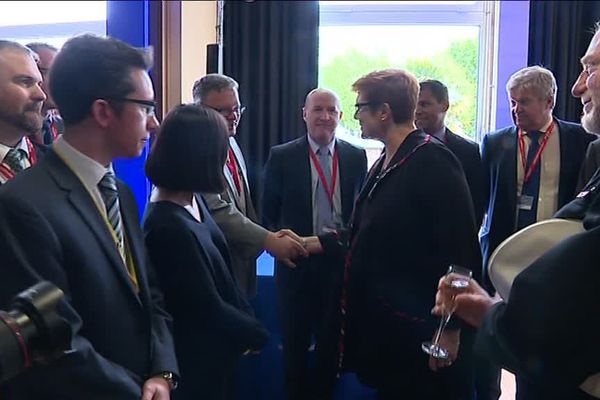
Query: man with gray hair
x,y
531,168
232,209
21,99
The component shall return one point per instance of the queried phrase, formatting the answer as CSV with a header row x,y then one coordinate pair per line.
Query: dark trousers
x,y
309,310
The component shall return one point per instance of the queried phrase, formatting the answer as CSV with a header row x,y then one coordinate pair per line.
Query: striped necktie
x,y
110,196
15,159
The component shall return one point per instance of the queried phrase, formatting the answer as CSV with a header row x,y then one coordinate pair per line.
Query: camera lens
x,y
31,332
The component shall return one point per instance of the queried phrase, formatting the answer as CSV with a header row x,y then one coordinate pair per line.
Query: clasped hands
x,y
287,246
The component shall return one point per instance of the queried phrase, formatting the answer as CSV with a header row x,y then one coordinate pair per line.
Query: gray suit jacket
x,y
235,216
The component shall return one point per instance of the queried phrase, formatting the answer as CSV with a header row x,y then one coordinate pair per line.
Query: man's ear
x,y
102,113
445,105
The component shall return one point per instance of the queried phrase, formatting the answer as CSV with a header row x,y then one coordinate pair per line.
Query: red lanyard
x,y
538,155
233,168
330,190
31,151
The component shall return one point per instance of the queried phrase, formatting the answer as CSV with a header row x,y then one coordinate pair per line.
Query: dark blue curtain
x,y
559,34
270,48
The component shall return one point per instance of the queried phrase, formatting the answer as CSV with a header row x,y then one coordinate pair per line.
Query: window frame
x,y
483,14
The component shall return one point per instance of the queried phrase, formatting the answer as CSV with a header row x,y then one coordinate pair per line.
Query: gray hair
x,y
15,46
212,83
536,78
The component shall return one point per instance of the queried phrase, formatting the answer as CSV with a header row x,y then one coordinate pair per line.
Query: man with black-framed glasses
x,y
69,220
232,209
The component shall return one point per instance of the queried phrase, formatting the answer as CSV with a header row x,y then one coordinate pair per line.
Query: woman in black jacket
x,y
412,219
212,322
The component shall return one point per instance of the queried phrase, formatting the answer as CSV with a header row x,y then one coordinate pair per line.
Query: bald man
x,y
309,187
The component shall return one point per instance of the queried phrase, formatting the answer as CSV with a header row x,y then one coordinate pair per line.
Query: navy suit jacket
x,y
50,229
499,157
287,195
467,153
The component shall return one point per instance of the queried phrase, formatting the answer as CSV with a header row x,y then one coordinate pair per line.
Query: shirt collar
x,y
544,127
315,146
441,134
90,171
22,145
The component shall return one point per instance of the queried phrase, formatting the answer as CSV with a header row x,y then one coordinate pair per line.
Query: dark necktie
x,y
324,206
15,159
110,196
531,188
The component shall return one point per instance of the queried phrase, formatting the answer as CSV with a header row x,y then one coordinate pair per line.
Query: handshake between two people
x,y
288,247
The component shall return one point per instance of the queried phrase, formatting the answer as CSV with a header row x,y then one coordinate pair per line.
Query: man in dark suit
x,y
590,164
531,169
310,186
430,117
21,99
232,209
519,189
69,221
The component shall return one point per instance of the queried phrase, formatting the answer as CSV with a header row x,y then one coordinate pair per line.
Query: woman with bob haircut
x,y
212,322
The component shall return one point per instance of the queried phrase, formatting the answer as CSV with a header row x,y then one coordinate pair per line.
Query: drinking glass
x,y
460,279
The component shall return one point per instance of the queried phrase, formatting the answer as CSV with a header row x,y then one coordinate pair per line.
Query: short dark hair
x,y
190,150
437,89
37,46
91,67
396,87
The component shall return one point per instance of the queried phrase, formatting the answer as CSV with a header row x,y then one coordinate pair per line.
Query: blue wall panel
x,y
129,21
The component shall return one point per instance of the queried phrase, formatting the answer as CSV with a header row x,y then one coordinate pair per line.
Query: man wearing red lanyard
x,y
310,185
232,209
21,99
531,169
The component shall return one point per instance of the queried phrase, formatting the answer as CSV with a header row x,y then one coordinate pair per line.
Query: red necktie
x,y
233,168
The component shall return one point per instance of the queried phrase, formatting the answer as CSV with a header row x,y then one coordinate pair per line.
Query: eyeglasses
x,y
148,105
238,111
359,106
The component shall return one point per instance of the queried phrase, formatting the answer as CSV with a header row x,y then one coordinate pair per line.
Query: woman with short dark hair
x,y
212,322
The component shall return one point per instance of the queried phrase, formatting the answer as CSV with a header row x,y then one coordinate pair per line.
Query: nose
x,y
580,85
38,94
152,123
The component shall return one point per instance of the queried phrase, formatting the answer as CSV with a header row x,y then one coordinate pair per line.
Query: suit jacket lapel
x,y
82,202
131,224
346,184
511,149
566,152
240,162
302,168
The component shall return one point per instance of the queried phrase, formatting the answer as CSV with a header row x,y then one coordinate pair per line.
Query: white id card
x,y
525,202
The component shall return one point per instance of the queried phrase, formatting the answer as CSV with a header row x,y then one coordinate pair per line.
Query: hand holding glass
x,y
458,278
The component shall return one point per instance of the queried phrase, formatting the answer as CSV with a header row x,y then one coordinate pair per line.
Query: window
x,y
52,22
451,41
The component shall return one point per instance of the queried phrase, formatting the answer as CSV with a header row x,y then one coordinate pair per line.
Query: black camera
x,y
31,332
